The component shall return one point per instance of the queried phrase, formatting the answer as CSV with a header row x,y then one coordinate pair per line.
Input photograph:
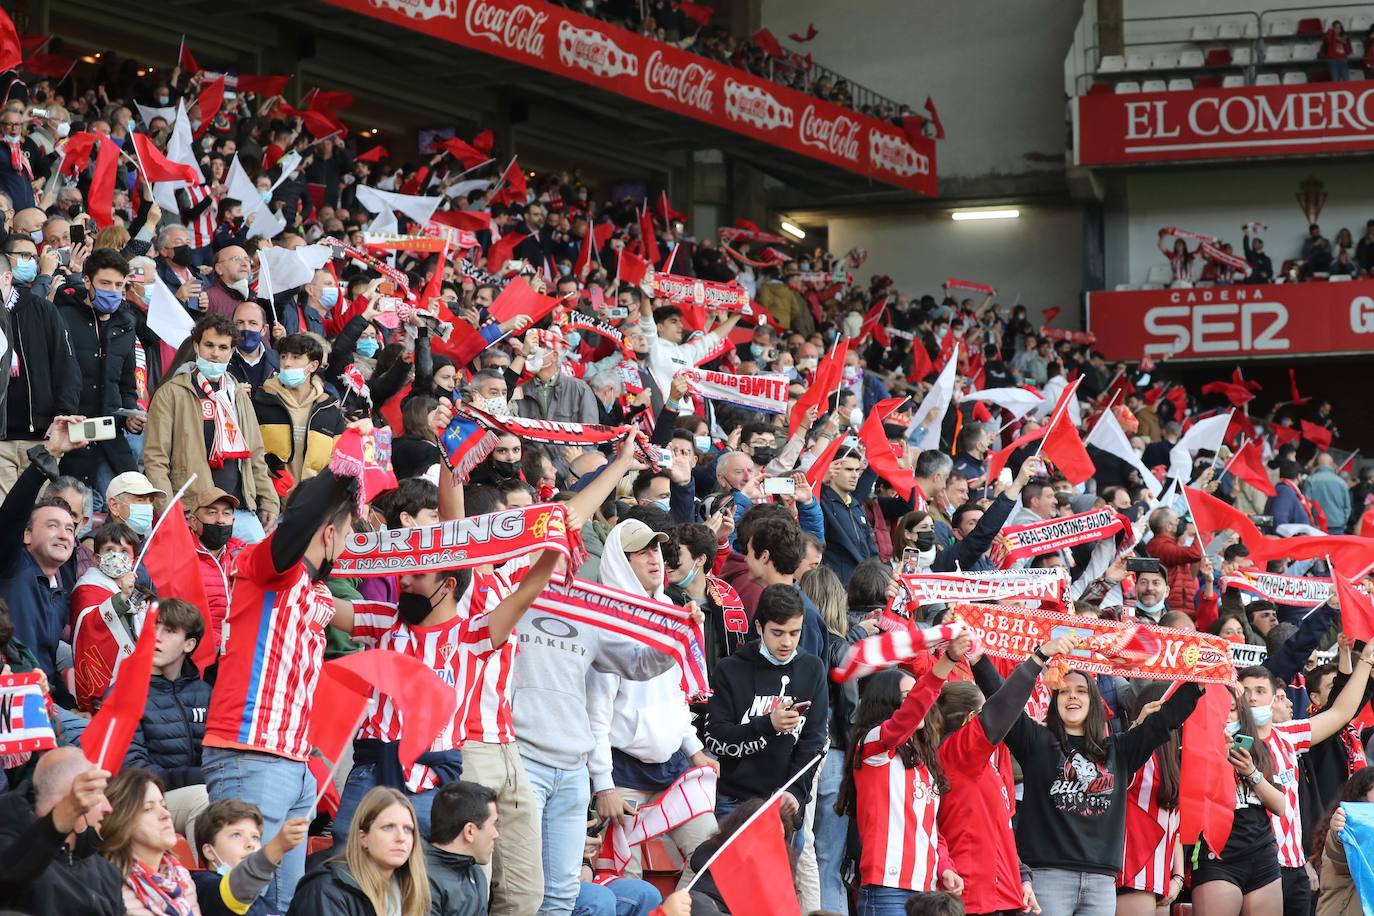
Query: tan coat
x,y
174,447
1338,894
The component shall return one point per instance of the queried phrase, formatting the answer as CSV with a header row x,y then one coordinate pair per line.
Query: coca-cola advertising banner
x,y
1226,322
1247,121
602,55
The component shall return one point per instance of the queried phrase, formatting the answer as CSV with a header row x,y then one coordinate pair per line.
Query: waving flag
x,y
879,452
1248,465
157,167
24,722
106,738
1206,780
465,444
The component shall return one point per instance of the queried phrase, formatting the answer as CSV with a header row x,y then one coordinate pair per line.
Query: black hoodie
x,y
755,760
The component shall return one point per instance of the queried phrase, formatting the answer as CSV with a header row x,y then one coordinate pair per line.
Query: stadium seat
x,y
1137,62
1190,59
1228,31
1111,63
1218,57
1180,84
1233,81
1310,25
1305,51
1125,287
1294,77
1356,49
1358,23
1242,55
1210,82
1100,89
1339,278
1280,27
184,853
662,864
1159,273
1267,79
1128,87
1277,54
1204,32
1154,86
1165,60
1357,74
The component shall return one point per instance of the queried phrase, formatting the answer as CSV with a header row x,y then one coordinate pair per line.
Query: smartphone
x,y
597,298
911,561
78,234
513,267
803,706
96,429
386,288
616,313
1245,742
1137,565
780,486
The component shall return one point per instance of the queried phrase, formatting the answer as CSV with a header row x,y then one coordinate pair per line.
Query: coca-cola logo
x,y
690,85
755,105
838,136
421,9
595,52
517,29
893,154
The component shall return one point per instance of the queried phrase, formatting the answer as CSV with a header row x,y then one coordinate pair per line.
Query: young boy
x,y
169,736
238,866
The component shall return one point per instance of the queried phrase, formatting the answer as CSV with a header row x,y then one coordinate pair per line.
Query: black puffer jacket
x,y
48,382
105,357
330,891
40,874
457,885
168,740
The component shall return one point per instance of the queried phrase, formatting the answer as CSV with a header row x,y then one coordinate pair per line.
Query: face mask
x,y
115,564
212,371
851,374
1151,609
702,443
368,346
506,468
565,270
291,378
687,579
412,608
1232,728
1262,715
26,271
574,340
772,659
266,195
665,504
806,363
215,537
74,211
140,519
329,297
106,301
181,256
925,540
13,140
763,454
497,407
240,287
856,417
251,341
164,100
756,350
63,128
37,236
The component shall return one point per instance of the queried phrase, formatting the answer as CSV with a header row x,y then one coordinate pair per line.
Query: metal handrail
x,y
1301,9
1092,65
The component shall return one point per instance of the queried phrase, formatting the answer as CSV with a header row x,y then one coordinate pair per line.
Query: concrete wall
x,y
1037,256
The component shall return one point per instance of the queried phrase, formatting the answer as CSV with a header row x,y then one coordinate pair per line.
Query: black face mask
x,y
324,571
506,468
182,256
443,394
215,537
925,540
74,211
763,454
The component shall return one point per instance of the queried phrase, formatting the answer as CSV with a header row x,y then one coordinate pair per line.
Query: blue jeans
x,y
560,809
1338,70
622,897
831,831
728,803
1072,893
281,789
247,527
361,779
876,900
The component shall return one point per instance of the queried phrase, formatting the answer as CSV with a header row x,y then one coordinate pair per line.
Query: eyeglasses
x,y
21,255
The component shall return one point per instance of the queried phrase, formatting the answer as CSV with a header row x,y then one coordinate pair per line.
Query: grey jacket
x,y
549,699
570,401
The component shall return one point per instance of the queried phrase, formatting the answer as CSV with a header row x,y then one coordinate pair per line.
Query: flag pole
x,y
1245,440
1069,392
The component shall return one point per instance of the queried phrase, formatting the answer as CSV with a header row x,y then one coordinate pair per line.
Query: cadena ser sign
x,y
1303,119
581,48
1226,322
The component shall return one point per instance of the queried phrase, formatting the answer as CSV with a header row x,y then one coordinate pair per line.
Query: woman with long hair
x,y
892,785
1244,877
1180,260
381,871
1151,874
914,531
1339,897
1071,827
138,838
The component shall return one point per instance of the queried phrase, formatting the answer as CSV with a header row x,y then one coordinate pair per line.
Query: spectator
x,y
669,350
1167,545
299,420
1180,260
130,498
106,612
24,163
225,451
1261,268
1315,245
1336,52
254,360
462,837
138,838
554,395
1329,490
849,538
1289,506
175,261
239,866
210,516
1364,251
230,286
971,458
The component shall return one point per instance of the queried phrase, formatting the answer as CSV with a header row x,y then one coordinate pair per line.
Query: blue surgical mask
x,y
141,519
687,579
1262,715
107,301
756,350
574,340
212,371
329,297
251,341
1232,728
367,346
565,270
25,270
37,236
266,195
772,659
665,504
292,378
702,443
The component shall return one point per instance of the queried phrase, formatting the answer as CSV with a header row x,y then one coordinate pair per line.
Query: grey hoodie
x,y
549,699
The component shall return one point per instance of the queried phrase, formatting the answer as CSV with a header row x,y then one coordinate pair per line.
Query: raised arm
x,y
507,614
1329,721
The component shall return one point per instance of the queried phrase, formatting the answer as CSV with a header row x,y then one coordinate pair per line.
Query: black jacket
x,y
48,383
254,375
849,538
457,885
40,874
168,739
330,891
105,357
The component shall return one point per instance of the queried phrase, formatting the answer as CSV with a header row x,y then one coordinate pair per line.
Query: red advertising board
x,y
1225,322
1249,121
590,51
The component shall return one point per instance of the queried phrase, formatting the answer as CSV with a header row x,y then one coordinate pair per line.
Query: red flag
x,y
935,118
424,701
873,324
186,61
483,141
262,85
1284,434
946,351
1293,388
468,155
632,269
107,736
376,154
330,101
1238,379
828,374
666,210
513,189
921,365
1236,394
502,250
469,220
591,245
998,460
648,238
321,124
1062,443
519,298
752,870
53,66
1319,436
434,288
1248,465
1179,398
803,39
1357,610
879,452
1211,514
815,475
31,43
78,152
1206,780
1051,314
1348,465
463,345
157,167
100,200
415,182
210,100
699,13
767,43
173,577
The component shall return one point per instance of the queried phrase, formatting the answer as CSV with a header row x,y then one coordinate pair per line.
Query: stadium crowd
x,y
302,380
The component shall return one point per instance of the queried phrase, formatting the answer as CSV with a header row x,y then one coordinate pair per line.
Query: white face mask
x,y
498,407
1262,715
63,128
240,287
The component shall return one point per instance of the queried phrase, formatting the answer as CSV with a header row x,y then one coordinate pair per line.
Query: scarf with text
x,y
581,321
217,405
676,289
874,653
1021,542
953,283
994,585
691,795
766,393
1073,337
1279,589
548,432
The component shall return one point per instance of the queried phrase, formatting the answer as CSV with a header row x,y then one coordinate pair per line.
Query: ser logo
x,y
1223,327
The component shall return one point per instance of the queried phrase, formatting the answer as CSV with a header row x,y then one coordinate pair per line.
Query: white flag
x,y
180,149
1016,401
289,163
146,113
418,208
289,269
265,223
167,319
465,188
1205,435
936,405
1111,438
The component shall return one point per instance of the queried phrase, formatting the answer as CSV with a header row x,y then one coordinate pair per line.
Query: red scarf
x,y
19,160
228,442
165,892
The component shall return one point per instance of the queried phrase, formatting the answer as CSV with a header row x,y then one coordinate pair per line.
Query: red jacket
x,y
974,819
1178,562
218,576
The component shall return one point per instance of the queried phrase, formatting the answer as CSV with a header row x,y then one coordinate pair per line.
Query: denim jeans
x,y
1073,893
281,789
247,527
560,807
361,779
725,804
622,897
876,900
832,831
1338,70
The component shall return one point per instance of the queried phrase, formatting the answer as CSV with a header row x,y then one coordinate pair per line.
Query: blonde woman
x,y
382,870
139,839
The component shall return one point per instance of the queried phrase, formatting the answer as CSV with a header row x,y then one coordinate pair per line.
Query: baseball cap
x,y
635,535
211,496
131,483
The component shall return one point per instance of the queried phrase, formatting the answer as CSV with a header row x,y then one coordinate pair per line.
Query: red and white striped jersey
x,y
455,651
202,228
1145,820
1286,742
273,652
896,811
488,715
